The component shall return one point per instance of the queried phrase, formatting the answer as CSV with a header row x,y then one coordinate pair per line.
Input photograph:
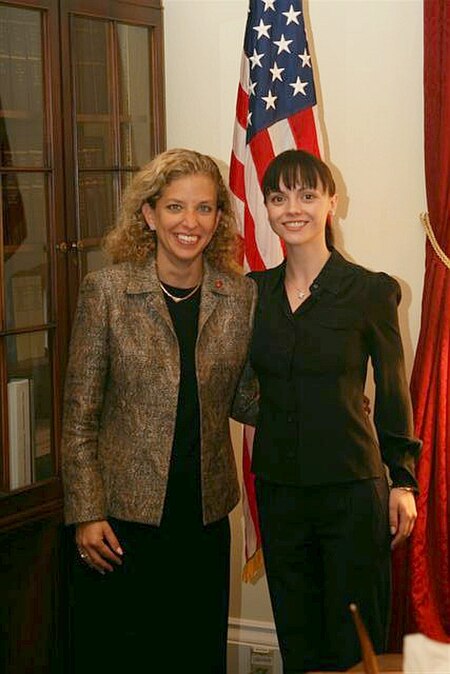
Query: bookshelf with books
x,y
73,130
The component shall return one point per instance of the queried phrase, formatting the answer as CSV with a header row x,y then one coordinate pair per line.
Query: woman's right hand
x,y
98,545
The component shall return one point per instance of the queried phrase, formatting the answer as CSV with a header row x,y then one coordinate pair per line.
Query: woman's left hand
x,y
402,514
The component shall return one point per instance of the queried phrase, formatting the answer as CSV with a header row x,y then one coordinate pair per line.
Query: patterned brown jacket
x,y
121,393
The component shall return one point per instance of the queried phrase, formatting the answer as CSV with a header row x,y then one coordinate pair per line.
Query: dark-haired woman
x,y
328,515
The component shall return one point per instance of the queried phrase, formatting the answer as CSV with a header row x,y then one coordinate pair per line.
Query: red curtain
x,y
421,598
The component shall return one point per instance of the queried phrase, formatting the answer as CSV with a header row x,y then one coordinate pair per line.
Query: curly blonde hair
x,y
132,240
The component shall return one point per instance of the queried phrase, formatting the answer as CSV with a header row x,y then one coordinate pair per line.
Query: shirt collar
x,y
333,273
330,277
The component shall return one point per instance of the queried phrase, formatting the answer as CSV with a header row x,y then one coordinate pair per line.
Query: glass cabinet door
x,y
81,107
27,328
80,111
114,121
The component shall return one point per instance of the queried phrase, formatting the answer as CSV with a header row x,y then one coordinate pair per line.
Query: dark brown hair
x,y
298,167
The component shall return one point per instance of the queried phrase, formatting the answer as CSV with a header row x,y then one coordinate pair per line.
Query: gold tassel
x,y
254,568
425,219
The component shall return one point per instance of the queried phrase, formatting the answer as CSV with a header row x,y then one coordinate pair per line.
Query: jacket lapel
x,y
215,284
143,281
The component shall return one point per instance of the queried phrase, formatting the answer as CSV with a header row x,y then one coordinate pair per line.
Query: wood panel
x,y
33,598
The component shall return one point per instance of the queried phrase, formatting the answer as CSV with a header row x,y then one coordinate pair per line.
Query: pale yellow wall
x,y
368,59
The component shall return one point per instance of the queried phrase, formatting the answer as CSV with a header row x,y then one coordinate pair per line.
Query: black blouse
x,y
312,369
183,503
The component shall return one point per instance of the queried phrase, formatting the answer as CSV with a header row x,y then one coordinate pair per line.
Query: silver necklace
x,y
179,299
301,294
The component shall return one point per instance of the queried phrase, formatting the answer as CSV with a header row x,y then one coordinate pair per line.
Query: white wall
x,y
368,73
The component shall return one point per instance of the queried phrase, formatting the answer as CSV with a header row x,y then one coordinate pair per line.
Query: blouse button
x,y
218,283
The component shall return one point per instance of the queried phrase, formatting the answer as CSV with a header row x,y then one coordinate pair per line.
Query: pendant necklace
x,y
176,299
301,294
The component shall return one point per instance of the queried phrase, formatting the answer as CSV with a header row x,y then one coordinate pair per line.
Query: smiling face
x,y
299,214
184,218
300,195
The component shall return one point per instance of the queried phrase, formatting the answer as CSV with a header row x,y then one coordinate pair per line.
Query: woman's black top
x,y
312,368
183,503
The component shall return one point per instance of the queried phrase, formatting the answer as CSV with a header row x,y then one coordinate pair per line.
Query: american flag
x,y
275,111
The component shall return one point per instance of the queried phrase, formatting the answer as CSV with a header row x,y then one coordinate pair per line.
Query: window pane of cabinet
x,y
92,74
115,123
21,87
134,95
97,194
97,205
25,249
29,396
94,144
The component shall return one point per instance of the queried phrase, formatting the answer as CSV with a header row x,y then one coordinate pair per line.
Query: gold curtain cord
x,y
424,217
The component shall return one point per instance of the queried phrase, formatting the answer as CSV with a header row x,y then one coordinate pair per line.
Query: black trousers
x,y
325,547
165,609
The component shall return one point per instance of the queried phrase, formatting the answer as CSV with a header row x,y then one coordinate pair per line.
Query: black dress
x,y
167,605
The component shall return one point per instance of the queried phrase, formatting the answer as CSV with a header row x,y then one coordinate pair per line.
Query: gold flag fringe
x,y
254,568
425,219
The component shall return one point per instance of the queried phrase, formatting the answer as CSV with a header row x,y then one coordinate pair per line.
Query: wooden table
x,y
389,663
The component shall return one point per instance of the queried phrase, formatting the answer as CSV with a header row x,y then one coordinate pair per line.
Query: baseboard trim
x,y
252,633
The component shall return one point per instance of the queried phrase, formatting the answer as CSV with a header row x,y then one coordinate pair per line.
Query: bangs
x,y
296,168
298,175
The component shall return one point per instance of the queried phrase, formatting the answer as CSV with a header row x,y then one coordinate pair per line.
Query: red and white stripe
x,y
248,164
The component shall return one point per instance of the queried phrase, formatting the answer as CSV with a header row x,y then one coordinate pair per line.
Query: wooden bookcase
x,y
81,109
